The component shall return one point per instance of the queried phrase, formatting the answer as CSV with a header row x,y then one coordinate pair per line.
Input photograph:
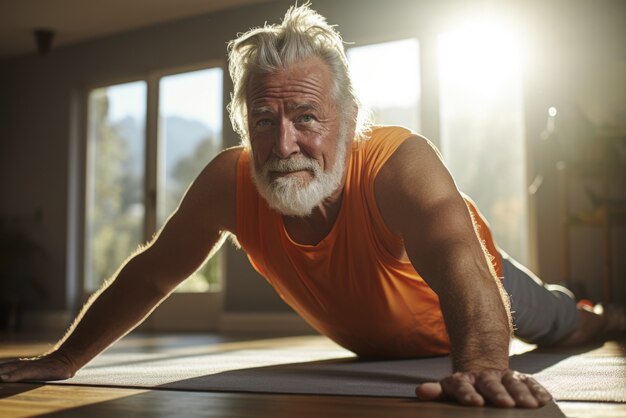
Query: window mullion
x,y
430,89
152,158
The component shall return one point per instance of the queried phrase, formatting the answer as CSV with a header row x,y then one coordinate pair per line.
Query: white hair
x,y
303,34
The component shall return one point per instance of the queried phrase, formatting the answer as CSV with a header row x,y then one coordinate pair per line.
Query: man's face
x,y
298,156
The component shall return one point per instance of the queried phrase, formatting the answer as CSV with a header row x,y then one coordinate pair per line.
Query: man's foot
x,y
614,323
597,324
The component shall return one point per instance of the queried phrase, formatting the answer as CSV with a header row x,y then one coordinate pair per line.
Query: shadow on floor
x,y
11,389
163,403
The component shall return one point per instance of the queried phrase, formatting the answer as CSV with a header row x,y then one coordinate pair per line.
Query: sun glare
x,y
374,76
482,122
484,51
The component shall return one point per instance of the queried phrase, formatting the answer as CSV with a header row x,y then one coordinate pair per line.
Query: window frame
x,y
79,293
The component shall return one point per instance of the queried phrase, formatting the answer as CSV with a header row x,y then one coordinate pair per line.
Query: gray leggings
x,y
542,314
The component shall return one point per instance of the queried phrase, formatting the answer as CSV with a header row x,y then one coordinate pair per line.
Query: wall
x,y
577,66
40,141
39,130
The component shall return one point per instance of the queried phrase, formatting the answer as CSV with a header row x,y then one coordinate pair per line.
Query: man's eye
x,y
307,118
264,122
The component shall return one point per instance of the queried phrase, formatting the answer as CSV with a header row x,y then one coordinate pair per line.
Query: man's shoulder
x,y
380,133
216,185
229,156
379,143
224,166
382,140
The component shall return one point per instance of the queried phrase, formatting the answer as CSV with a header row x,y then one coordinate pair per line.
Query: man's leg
x,y
542,314
546,314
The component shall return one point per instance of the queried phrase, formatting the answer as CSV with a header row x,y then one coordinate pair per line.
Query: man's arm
x,y
419,200
192,233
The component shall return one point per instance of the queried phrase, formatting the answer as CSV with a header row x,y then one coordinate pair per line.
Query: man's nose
x,y
286,142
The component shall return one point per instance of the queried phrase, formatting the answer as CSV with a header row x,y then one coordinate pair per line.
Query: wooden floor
x,y
30,400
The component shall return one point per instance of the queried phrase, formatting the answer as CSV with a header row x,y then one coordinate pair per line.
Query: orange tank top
x,y
349,287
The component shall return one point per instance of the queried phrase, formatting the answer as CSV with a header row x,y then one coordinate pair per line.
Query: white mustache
x,y
295,163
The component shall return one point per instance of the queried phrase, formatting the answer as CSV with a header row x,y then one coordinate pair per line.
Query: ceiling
x,y
79,20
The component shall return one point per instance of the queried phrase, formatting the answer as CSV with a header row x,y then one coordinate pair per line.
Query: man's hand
x,y
502,388
54,366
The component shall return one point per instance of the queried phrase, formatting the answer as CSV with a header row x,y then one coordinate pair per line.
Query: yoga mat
x,y
315,365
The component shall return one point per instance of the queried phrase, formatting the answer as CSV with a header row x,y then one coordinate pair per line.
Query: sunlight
x,y
386,78
195,95
486,51
373,78
482,121
126,100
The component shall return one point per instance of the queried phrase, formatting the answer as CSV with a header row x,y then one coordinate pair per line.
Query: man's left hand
x,y
502,388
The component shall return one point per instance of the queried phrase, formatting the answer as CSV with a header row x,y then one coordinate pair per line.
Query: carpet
x,y
315,365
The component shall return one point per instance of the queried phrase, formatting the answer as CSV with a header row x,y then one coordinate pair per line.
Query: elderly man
x,y
339,219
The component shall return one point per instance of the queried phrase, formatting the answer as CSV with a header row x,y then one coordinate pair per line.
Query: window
x,y
119,206
116,165
190,135
387,80
480,112
482,126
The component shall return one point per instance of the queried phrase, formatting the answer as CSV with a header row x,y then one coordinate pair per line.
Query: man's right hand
x,y
53,366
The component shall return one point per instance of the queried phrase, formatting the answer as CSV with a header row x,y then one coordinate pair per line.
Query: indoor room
x,y
480,141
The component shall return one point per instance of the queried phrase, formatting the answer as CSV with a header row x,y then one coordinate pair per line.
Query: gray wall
x,y
41,165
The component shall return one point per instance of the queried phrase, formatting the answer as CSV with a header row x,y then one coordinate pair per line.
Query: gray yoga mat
x,y
314,365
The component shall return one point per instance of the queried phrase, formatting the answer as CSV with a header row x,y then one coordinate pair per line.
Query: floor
x,y
30,399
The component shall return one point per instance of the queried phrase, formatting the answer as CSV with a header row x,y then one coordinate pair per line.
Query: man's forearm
x,y
478,325
474,307
109,315
479,348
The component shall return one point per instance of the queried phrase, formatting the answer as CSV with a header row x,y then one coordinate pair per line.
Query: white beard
x,y
290,195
